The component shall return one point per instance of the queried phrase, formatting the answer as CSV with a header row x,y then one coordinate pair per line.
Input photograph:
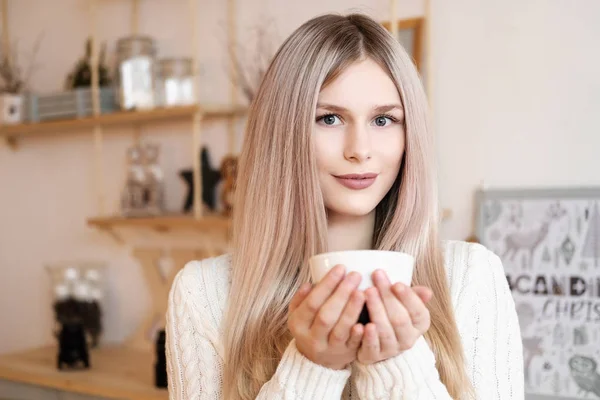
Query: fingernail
x,y
381,277
338,271
400,288
353,277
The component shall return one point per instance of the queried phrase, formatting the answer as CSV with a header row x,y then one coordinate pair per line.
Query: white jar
x,y
136,65
175,82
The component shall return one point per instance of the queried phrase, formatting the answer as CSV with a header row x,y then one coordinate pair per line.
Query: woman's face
x,y
359,139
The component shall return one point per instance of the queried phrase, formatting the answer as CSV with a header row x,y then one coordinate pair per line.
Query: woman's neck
x,y
350,233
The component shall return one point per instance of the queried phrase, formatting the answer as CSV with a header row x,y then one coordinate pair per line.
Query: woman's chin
x,y
351,210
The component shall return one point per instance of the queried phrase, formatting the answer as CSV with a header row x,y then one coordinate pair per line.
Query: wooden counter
x,y
115,373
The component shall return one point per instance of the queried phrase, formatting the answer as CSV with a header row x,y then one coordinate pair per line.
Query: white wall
x,y
515,93
516,99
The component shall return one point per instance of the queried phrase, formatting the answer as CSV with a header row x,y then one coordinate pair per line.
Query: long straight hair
x,y
280,221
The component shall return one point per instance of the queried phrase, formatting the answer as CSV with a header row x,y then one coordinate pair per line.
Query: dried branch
x,y
11,77
250,64
32,65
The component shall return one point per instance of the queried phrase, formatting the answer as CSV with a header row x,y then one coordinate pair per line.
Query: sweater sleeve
x,y
491,335
410,375
195,353
489,328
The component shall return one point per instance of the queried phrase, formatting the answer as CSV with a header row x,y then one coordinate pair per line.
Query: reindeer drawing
x,y
530,239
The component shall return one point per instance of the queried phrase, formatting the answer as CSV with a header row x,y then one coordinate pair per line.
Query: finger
x,y
424,293
308,309
300,295
350,314
356,336
294,325
418,312
378,314
331,310
397,314
370,347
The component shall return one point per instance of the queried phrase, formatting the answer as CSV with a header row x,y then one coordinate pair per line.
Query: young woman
x,y
338,155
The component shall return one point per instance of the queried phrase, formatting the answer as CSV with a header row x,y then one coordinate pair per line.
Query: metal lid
x,y
136,44
175,67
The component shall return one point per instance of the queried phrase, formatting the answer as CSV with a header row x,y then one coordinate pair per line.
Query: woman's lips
x,y
356,181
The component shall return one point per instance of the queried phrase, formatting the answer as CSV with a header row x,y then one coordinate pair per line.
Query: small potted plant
x,y
11,98
12,87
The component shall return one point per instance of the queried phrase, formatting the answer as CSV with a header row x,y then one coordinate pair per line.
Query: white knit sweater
x,y
484,310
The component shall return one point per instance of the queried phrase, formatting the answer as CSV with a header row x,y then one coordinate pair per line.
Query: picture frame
x,y
411,34
549,244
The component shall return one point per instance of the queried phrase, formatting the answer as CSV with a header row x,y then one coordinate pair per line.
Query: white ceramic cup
x,y
398,266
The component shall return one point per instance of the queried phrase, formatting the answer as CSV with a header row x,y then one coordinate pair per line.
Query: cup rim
x,y
401,254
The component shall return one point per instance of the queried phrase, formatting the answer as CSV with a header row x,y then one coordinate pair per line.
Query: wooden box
x,y
72,104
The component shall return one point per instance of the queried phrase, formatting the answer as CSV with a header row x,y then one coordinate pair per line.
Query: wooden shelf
x,y
163,223
12,132
115,373
213,227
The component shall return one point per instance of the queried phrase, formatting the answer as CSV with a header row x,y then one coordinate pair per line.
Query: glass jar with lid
x,y
136,65
175,82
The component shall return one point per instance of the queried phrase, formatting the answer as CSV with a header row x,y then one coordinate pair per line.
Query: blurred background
x,y
101,168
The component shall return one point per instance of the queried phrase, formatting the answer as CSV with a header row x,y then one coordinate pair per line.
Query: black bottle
x,y
160,368
73,350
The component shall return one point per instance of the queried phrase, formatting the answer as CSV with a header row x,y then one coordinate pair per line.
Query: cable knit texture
x,y
484,310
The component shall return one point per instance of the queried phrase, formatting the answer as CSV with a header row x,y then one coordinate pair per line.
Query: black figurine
x,y
72,346
88,312
210,179
160,367
72,343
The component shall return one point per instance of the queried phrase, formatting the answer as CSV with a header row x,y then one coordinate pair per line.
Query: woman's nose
x,y
358,144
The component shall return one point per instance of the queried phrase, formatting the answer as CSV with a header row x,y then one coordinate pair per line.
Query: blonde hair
x,y
279,216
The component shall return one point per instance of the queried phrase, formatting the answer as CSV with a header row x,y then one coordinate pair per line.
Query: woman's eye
x,y
329,119
383,120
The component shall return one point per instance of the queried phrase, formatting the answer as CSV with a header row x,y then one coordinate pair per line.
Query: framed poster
x,y
549,243
411,34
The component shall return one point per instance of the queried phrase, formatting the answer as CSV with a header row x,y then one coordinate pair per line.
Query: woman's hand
x,y
398,318
323,319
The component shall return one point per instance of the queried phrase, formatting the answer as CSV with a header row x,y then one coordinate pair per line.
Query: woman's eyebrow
x,y
332,107
388,107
